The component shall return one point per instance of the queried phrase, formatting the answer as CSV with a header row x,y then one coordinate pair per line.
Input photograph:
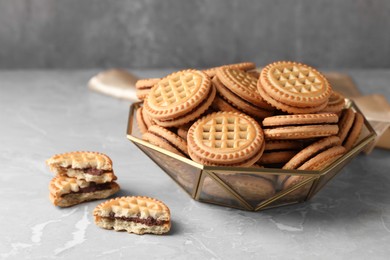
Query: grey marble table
x,y
48,112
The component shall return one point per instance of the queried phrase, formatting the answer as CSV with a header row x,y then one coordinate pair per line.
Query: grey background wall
x,y
184,33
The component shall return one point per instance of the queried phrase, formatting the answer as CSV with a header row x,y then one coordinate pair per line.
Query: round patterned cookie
x,y
225,138
335,104
239,103
295,84
245,66
166,139
243,85
143,87
178,94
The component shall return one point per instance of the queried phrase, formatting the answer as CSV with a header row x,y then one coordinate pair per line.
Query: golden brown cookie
x,y
240,66
166,139
143,87
141,121
137,215
83,165
355,131
303,126
335,104
225,138
345,124
294,87
66,192
238,102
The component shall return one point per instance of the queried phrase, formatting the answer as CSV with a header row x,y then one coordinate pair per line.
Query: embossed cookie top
x,y
133,206
295,83
81,159
63,185
241,83
225,136
180,91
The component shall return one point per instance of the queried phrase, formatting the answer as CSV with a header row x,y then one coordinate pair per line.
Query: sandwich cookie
x,y
294,87
302,126
82,165
314,157
144,86
226,139
141,121
138,215
350,125
245,66
355,131
239,89
278,152
66,192
179,98
166,139
335,104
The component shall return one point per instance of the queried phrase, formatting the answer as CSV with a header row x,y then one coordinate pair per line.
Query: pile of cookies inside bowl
x,y
284,116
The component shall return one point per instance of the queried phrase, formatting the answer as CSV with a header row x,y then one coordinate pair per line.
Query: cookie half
x,y
226,138
303,126
66,192
137,215
83,165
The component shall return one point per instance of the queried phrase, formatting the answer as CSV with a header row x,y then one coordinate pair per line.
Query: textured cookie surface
x,y
240,66
177,94
81,159
166,139
243,85
134,214
225,137
295,84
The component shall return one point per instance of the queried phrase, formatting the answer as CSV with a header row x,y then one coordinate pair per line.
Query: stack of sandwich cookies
x,y
137,215
237,91
144,86
179,98
90,170
166,139
226,139
301,126
294,88
335,104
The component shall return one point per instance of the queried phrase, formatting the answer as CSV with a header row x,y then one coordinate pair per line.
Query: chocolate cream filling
x,y
149,221
92,188
91,171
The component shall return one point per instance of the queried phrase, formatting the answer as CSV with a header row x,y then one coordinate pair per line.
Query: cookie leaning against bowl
x,y
302,126
83,165
279,151
179,98
294,87
225,139
137,215
166,139
314,157
66,192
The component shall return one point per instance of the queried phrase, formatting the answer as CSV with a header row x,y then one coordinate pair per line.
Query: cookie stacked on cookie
x,y
80,177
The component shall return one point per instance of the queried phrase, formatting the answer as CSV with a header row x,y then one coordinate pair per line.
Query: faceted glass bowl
x,y
226,185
